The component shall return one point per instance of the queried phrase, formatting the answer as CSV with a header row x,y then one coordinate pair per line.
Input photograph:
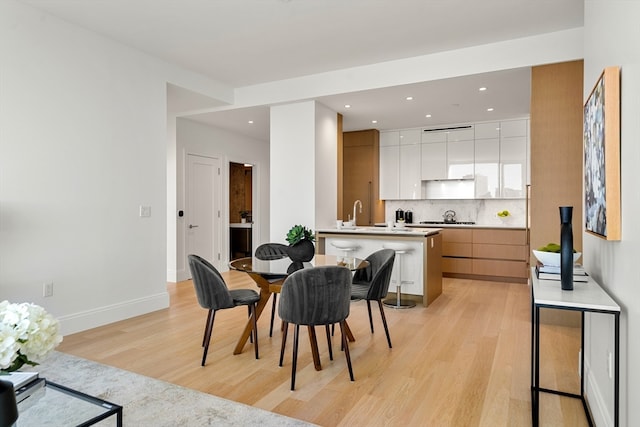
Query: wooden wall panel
x,y
556,150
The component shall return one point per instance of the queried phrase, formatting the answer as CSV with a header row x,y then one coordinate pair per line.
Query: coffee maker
x,y
399,215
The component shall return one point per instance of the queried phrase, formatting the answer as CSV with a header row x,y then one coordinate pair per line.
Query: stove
x,y
447,222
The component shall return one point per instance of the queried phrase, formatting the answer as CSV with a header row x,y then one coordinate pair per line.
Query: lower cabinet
x,y
485,253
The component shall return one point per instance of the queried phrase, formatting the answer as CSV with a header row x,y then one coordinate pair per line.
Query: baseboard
x,y
112,313
597,404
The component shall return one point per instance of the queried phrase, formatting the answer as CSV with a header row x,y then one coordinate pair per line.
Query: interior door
x,y
204,223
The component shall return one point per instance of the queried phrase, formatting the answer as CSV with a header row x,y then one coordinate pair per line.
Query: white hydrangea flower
x,y
28,332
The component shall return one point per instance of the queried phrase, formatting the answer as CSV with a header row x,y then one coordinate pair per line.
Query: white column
x,y
303,172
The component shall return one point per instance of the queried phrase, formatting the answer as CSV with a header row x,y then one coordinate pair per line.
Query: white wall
x,y
83,143
196,138
610,38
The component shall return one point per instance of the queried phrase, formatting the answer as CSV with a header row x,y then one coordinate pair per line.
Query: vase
x,y
566,248
8,406
302,251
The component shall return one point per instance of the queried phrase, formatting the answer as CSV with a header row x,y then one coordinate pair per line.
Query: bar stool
x,y
400,249
345,246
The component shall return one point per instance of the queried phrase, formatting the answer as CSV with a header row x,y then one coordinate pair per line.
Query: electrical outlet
x,y
47,289
145,211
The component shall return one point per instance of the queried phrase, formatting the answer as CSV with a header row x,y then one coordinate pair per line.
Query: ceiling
x,y
247,42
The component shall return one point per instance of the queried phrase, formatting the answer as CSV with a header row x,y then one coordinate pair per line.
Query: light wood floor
x,y
464,361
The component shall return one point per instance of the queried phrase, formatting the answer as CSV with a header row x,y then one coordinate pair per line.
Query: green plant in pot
x,y
300,239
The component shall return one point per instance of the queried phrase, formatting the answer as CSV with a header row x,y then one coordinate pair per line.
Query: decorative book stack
x,y
24,383
552,272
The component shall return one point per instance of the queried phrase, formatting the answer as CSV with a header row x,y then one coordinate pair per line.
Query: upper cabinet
x,y
513,158
400,165
491,158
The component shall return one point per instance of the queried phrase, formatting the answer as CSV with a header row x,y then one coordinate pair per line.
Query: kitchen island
x,y
421,268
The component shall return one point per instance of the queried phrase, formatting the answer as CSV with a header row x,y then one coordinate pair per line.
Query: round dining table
x,y
270,274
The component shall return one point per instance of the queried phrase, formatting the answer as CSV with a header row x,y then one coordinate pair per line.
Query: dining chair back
x,y
269,251
372,283
315,296
213,294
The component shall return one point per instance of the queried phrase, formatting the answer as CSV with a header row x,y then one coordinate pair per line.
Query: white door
x,y
203,225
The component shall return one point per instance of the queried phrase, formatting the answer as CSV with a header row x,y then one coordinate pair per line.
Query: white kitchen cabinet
x,y
429,136
389,138
460,159
409,170
490,130
513,167
487,168
433,161
400,165
410,136
389,171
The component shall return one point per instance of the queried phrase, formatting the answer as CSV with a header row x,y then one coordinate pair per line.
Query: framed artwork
x,y
602,157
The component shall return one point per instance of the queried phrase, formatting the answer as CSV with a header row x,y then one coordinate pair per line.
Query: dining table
x,y
270,274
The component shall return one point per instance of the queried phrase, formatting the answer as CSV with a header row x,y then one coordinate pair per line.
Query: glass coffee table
x,y
57,405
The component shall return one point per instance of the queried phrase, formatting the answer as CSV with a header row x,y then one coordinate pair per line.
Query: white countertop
x,y
240,225
585,295
384,231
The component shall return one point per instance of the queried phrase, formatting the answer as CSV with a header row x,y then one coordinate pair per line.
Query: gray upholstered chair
x,y
269,251
315,296
213,294
372,283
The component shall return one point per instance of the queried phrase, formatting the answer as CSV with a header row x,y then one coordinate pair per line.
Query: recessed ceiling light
x,y
374,121
489,109
482,89
347,105
409,98
250,122
428,116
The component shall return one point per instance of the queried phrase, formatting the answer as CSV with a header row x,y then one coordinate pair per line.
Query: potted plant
x,y
243,216
300,239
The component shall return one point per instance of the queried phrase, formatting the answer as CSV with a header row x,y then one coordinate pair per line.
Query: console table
x,y
585,297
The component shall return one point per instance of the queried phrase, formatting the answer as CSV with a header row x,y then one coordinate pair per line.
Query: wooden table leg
x,y
314,348
348,332
265,294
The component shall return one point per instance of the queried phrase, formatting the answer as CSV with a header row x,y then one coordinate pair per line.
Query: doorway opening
x,y
240,210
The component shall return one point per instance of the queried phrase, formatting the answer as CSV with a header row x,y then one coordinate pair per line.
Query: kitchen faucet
x,y
354,210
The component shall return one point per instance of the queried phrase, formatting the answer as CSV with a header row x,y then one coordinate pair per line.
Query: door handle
x,y
193,226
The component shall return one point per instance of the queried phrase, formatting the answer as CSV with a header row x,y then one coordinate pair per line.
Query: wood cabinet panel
x,y
490,253
360,176
510,252
457,235
500,268
457,249
457,265
498,236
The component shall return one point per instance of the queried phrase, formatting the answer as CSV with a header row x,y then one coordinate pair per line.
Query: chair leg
x,y
207,335
285,329
252,308
273,313
329,342
296,333
249,315
206,327
345,343
384,322
370,318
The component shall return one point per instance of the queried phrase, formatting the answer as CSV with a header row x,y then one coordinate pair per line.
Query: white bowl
x,y
553,258
400,225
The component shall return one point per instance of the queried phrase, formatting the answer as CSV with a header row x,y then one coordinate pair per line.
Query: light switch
x,y
145,211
